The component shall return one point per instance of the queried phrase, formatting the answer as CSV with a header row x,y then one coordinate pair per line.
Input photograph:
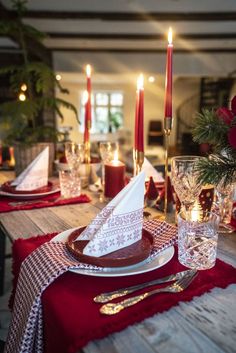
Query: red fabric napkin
x,y
47,201
72,319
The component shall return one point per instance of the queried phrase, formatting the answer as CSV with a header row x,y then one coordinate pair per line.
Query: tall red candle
x,y
140,145
114,178
169,77
136,121
87,122
139,114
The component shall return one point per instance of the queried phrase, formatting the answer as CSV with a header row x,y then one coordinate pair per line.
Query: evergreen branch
x,y
62,103
217,168
210,129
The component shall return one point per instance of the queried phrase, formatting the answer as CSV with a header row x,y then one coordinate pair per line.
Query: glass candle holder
x,y
197,239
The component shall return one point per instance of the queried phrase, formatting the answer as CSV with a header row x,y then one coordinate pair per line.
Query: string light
x,y
23,87
151,79
22,97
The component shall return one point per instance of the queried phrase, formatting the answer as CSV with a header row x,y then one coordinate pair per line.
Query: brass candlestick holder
x,y
167,131
138,158
87,158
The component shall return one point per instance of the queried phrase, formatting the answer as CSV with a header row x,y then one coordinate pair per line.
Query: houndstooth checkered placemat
x,y
39,270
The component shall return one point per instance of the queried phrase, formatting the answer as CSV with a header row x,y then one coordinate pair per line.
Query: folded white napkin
x,y
150,171
120,223
35,175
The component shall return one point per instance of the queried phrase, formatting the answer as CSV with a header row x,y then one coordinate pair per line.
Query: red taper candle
x,y
139,114
140,144
169,77
136,121
87,122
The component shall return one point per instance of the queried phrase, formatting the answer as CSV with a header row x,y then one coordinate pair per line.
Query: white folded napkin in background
x,y
150,171
35,175
120,223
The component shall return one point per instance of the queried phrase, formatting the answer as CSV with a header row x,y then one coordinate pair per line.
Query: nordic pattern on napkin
x,y
38,271
115,231
119,224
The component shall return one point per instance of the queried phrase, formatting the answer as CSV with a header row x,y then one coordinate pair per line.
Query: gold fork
x,y
178,286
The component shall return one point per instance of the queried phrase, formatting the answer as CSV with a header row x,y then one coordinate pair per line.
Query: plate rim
x,y
25,196
62,237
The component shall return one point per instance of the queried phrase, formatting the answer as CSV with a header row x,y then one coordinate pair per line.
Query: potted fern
x,y
32,86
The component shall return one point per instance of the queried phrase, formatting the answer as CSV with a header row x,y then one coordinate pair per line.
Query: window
x,y
107,111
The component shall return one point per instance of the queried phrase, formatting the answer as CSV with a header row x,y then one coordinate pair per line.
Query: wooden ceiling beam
x,y
129,36
145,51
132,16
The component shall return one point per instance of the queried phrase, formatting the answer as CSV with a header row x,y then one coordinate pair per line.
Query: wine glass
x,y
74,154
184,178
108,150
223,205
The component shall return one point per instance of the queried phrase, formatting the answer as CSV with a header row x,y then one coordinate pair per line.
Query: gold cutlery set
x,y
182,281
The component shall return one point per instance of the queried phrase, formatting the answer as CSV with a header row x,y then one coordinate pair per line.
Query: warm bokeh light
x,y
170,36
151,79
88,70
140,82
58,77
23,87
22,97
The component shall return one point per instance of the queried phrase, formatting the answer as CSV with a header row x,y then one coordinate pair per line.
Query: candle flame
x,y
88,70
140,82
85,97
170,36
196,212
115,156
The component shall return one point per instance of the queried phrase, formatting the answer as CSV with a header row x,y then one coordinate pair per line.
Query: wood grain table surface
x,y
204,325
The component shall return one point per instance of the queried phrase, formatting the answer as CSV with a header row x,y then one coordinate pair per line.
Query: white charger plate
x,y
30,196
147,265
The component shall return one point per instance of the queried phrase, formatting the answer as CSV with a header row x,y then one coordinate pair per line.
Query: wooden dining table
x,y
205,324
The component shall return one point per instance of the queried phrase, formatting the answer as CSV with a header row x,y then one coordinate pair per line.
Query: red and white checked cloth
x,y
41,268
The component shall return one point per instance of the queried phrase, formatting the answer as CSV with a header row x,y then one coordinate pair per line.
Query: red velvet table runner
x,y
71,319
46,201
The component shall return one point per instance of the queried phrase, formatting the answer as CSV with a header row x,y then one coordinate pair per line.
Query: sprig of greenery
x,y
221,165
217,169
210,129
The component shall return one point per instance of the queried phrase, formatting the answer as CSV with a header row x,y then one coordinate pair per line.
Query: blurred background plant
x,y
32,85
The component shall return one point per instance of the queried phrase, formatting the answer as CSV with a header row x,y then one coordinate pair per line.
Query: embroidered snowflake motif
x,y
103,245
112,242
129,236
92,247
120,239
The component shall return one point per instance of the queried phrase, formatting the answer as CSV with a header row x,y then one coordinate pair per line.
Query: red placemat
x,y
47,201
72,319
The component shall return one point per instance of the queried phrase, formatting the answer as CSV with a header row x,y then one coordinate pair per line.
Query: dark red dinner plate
x,y
127,256
7,187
